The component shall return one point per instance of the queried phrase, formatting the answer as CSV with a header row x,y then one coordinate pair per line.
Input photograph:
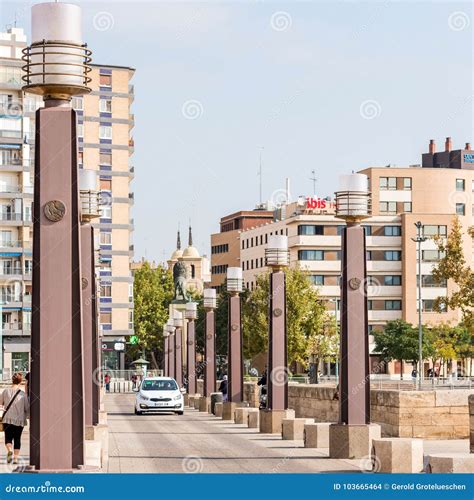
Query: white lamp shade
x,y
353,182
234,279
277,242
234,273
209,293
352,199
56,21
87,179
177,319
191,310
276,253
210,300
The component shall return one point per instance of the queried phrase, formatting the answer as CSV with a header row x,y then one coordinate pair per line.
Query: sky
x,y
330,86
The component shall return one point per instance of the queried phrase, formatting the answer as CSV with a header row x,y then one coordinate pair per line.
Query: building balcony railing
x,y
11,134
10,189
15,327
11,271
10,244
12,217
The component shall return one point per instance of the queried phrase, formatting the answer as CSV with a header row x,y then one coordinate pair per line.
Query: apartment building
x,y
225,245
105,143
400,197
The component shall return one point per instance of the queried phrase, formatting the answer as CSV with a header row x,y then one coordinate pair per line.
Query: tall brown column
x,y
354,377
171,360
57,404
210,354
277,377
191,358
235,361
178,357
89,326
166,356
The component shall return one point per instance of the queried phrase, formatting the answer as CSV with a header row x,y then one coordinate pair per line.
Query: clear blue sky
x,y
287,76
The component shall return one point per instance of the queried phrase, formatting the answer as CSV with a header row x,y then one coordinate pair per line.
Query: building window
x,y
105,132
368,255
432,231
428,281
460,185
310,230
460,209
393,255
105,158
393,305
388,207
310,255
407,183
105,238
317,279
106,211
394,280
407,206
80,130
427,305
105,105
431,255
370,305
388,183
392,231
105,318
105,80
368,230
106,184
77,103
106,290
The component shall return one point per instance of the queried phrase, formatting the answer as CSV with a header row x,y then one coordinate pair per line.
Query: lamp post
x,y
351,437
166,341
210,304
56,67
171,349
277,258
419,240
235,366
191,315
89,209
178,355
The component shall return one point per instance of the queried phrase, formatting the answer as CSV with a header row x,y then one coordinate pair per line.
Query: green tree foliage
x,y
152,294
305,316
453,267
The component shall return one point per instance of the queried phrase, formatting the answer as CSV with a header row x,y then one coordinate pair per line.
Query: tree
x,y
399,341
152,294
324,344
452,266
305,316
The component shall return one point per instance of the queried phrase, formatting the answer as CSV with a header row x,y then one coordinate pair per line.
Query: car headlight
x,y
178,397
144,397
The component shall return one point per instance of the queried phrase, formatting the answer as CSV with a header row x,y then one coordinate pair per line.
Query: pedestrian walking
x,y
107,382
223,388
15,412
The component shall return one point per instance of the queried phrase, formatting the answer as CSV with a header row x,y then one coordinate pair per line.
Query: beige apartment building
x,y
431,194
105,144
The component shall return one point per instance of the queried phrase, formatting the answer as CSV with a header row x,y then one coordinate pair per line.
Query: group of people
x,y
16,408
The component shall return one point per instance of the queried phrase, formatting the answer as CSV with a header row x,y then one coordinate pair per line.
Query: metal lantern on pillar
x,y
210,304
210,299
178,356
177,319
191,315
191,311
352,198
276,253
234,280
57,61
89,195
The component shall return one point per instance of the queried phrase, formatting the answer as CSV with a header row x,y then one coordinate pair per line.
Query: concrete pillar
x,y
235,361
89,327
57,404
178,357
166,356
191,358
171,357
210,354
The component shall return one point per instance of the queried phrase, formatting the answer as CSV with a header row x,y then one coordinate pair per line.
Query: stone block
x,y
433,431
271,420
205,404
103,417
253,418
216,397
186,399
100,433
293,428
241,414
411,399
196,400
440,463
397,455
228,410
93,453
456,397
352,441
219,409
316,435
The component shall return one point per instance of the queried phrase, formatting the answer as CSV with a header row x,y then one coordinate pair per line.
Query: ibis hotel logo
x,y
316,203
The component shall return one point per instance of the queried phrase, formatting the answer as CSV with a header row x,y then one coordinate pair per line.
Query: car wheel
x,y
179,412
138,412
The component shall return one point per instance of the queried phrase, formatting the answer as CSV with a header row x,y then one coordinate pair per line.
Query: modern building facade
x,y
105,143
400,197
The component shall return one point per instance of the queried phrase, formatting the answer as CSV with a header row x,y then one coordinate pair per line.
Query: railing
x,y
11,161
10,217
10,271
10,189
11,134
10,244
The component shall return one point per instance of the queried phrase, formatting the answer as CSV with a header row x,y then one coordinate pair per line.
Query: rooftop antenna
x,y
260,175
313,178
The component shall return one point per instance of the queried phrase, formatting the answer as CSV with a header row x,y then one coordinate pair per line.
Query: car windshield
x,y
159,385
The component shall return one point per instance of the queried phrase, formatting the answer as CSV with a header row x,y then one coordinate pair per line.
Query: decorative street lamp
x,y
277,258
166,341
56,67
210,304
178,355
234,354
419,240
89,210
350,437
171,348
191,315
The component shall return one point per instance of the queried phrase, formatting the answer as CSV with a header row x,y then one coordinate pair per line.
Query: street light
x,y
191,315
210,304
419,240
89,195
171,348
178,356
166,335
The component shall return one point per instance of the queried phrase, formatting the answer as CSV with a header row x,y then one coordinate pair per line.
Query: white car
x,y
159,394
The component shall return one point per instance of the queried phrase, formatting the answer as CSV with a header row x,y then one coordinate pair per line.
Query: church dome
x,y
191,251
177,254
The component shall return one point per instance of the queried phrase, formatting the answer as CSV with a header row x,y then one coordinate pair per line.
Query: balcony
x,y
10,244
11,134
8,272
6,189
10,217
16,329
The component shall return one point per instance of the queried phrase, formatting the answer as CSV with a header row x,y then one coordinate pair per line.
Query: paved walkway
x,y
199,442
